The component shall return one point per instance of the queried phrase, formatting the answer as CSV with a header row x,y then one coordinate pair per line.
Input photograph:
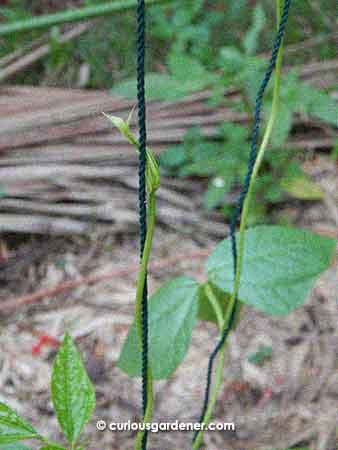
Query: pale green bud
x,y
152,169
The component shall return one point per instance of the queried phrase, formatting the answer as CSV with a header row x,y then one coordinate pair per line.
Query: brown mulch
x,y
290,401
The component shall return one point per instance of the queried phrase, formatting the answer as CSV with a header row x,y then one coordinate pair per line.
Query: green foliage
x,y
73,399
186,75
280,267
261,356
52,447
13,428
298,185
250,41
205,310
73,395
172,316
224,164
275,280
334,154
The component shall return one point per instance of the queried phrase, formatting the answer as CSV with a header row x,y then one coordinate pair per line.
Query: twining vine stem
x,y
244,217
151,218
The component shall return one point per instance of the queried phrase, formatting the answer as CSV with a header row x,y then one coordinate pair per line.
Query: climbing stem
x,y
215,305
243,223
222,322
151,216
259,160
74,15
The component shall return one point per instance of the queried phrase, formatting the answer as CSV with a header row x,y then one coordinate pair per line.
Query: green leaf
x,y
298,185
215,194
232,60
263,354
13,428
163,86
158,86
324,107
183,67
302,188
73,395
250,41
280,267
52,447
205,310
172,316
282,126
173,157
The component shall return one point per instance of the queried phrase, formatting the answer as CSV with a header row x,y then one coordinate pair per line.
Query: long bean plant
x,y
276,268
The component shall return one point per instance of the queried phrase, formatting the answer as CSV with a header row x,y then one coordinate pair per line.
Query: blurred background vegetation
x,y
199,28
194,45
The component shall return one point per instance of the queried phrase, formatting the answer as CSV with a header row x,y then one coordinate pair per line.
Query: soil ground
x,y
290,401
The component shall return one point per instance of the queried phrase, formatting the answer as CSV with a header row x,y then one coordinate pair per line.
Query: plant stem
x,y
216,306
220,367
151,215
243,223
75,15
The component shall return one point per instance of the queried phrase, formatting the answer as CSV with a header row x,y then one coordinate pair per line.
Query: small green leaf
x,y
13,428
215,194
172,157
73,395
52,447
160,87
324,107
232,60
152,169
283,125
280,266
205,310
250,41
298,185
263,354
172,316
183,67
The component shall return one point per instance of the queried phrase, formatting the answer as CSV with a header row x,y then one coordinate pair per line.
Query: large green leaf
x,y
13,428
280,267
172,316
72,391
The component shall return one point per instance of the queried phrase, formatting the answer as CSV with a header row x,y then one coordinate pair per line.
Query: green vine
x,y
152,184
74,15
243,225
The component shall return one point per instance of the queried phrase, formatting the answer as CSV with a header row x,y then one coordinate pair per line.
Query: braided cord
x,y
240,202
142,192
